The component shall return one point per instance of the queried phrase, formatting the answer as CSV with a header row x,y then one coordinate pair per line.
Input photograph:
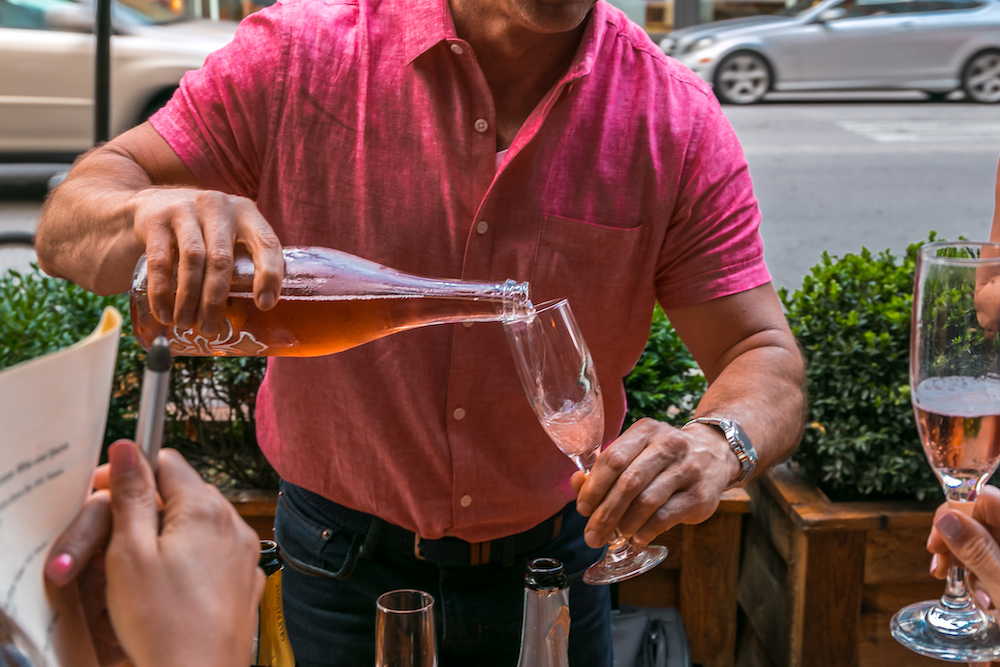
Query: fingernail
x,y
166,316
984,600
583,508
57,569
210,329
949,525
121,456
592,538
934,563
266,301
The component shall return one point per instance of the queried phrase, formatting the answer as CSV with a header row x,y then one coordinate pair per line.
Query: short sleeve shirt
x,y
367,126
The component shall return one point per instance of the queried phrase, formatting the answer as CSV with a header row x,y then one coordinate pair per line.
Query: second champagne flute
x,y
559,378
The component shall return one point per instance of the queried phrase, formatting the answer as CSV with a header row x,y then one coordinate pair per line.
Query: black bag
x,y
649,637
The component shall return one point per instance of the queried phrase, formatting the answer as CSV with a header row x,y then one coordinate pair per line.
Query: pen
x,y
153,402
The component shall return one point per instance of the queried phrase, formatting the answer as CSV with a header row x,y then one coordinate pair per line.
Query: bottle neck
x,y
545,628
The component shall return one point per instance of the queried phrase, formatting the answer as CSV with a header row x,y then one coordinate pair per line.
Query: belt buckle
x,y
416,547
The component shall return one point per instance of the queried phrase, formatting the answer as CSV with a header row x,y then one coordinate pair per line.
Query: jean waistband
x,y
447,551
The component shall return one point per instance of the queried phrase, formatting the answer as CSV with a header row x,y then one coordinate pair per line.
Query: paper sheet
x,y
53,411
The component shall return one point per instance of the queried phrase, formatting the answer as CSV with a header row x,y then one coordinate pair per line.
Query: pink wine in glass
x,y
959,423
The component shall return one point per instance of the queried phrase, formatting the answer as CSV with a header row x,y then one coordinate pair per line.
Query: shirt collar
x,y
428,22
425,23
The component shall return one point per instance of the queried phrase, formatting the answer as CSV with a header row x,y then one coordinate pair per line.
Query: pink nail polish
x,y
934,563
57,570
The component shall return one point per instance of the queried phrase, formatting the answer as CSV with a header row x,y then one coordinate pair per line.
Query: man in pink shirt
x,y
547,141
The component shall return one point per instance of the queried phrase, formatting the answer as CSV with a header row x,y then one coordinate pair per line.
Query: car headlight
x,y
699,44
668,44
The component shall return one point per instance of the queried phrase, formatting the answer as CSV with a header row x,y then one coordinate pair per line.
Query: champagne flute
x,y
955,385
404,630
559,378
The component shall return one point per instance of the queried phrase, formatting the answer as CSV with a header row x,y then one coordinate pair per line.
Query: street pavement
x,y
837,176
831,172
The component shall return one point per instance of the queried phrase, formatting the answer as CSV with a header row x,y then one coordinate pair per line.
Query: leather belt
x,y
445,552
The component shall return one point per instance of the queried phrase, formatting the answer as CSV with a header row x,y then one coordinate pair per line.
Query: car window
x,y
796,7
946,5
17,16
878,7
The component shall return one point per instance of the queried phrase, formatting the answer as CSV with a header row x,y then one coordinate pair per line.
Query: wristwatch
x,y
738,442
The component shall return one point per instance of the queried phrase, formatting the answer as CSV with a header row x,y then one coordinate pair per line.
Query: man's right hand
x,y
196,232
135,195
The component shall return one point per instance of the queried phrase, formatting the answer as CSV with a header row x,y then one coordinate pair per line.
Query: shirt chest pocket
x,y
596,266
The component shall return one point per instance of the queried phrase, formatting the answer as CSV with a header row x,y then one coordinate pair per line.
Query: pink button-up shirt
x,y
368,126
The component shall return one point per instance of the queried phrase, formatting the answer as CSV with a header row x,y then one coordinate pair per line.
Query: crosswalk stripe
x,y
924,131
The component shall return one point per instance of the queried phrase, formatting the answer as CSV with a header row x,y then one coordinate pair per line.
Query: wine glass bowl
x,y
955,390
560,381
404,629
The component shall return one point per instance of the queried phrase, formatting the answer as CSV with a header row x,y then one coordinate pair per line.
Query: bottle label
x,y
228,343
273,647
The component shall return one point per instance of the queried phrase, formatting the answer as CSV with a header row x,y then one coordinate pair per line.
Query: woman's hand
x,y
972,541
179,591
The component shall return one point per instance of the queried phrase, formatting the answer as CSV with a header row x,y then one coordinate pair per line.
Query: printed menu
x,y
53,411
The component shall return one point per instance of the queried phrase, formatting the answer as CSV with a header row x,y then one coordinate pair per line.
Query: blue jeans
x,y
477,609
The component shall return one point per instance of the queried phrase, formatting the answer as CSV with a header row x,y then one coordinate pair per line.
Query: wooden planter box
x,y
699,576
820,580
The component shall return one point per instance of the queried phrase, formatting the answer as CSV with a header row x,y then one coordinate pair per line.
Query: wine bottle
x,y
330,301
271,647
545,626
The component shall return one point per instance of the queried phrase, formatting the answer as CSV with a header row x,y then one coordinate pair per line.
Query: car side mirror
x,y
832,15
71,18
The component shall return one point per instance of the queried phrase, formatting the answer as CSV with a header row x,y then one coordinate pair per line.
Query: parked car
x,y
936,46
47,69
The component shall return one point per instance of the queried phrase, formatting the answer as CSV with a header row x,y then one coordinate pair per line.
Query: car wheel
x,y
981,77
742,78
155,104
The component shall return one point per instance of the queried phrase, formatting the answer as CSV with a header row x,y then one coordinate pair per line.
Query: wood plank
x,y
774,521
862,516
790,487
735,500
832,605
897,556
710,556
257,509
877,648
660,587
751,652
890,598
762,593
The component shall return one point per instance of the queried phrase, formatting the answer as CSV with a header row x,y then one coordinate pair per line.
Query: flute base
x,y
931,630
619,567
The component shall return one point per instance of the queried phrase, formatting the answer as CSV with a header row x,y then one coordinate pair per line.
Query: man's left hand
x,y
653,477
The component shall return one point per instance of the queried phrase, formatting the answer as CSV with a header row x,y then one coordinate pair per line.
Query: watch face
x,y
745,443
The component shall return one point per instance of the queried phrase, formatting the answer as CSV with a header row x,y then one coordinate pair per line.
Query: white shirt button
x,y
458,414
457,49
467,324
481,125
466,501
482,227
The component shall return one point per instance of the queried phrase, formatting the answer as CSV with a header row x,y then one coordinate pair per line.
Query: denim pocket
x,y
309,543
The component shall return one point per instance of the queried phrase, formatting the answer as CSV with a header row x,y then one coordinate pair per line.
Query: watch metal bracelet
x,y
739,443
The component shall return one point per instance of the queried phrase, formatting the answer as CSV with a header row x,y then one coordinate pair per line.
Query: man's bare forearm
x,y
764,389
86,232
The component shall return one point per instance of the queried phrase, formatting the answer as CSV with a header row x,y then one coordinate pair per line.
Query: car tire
x,y
981,77
155,104
742,78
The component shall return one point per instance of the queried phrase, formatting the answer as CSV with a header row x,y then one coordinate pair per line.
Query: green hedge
x,y
211,401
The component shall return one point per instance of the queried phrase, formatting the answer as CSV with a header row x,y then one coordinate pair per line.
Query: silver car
x,y
47,69
936,46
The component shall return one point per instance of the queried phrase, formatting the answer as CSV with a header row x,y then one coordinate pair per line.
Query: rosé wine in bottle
x,y
330,301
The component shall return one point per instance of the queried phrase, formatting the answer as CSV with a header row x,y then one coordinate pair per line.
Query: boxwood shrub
x,y
211,403
852,318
